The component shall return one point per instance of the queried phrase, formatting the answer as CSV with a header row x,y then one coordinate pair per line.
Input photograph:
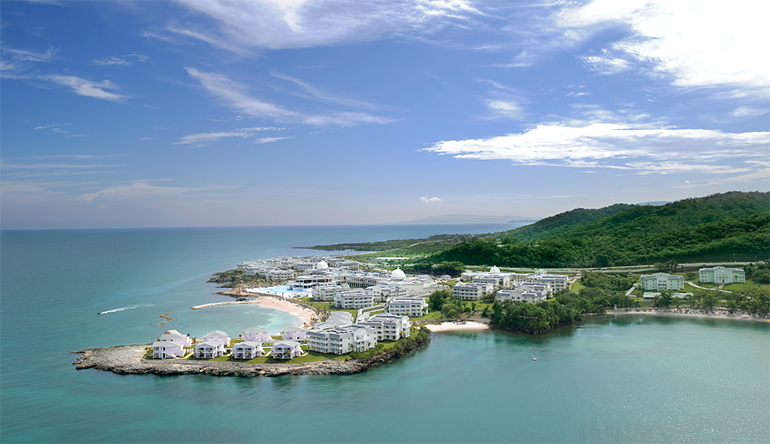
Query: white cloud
x,y
606,65
40,166
234,95
203,139
52,126
507,109
139,190
432,200
746,111
322,95
345,119
698,43
121,61
270,139
616,146
30,56
87,88
281,24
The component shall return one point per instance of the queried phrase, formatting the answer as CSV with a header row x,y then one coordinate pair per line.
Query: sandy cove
x,y
457,326
307,316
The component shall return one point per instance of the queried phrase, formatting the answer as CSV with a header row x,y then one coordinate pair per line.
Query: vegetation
x,y
719,226
417,337
405,247
563,309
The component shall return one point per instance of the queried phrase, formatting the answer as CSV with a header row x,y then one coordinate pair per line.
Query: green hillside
x,y
563,222
699,229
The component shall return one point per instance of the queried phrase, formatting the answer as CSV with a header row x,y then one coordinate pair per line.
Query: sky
x,y
293,112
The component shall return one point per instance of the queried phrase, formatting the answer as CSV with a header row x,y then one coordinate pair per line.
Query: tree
x,y
708,300
664,300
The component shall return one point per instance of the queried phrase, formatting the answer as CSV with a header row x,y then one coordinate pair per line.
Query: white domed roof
x,y
321,265
397,274
494,270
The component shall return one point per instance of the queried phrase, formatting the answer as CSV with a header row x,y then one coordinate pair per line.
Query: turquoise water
x,y
613,379
285,290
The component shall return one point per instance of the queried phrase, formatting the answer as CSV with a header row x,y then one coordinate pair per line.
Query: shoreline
x,y
306,315
694,314
458,326
129,359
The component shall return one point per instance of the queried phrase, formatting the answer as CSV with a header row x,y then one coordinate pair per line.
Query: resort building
x,y
247,350
286,350
383,293
312,281
278,274
388,327
340,340
167,349
294,333
327,292
354,299
722,275
472,291
521,294
173,335
558,282
209,350
217,336
403,306
256,335
536,286
662,282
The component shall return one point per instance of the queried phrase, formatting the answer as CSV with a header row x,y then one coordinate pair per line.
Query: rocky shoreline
x,y
129,359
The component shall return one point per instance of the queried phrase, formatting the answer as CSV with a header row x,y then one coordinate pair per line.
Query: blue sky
x,y
222,113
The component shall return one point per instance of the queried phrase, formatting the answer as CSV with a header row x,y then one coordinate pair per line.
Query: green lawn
x,y
327,305
747,286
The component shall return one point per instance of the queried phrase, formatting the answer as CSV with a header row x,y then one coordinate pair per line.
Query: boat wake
x,y
130,307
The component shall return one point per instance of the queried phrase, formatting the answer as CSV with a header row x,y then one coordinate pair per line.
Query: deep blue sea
x,y
613,379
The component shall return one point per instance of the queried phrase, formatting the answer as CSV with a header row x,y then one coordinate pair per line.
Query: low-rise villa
x,y
209,350
167,349
294,333
247,350
286,350
173,335
256,335
217,336
407,306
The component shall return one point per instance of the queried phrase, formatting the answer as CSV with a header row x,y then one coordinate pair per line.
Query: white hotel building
x,y
354,299
407,306
722,275
472,291
388,327
341,340
662,282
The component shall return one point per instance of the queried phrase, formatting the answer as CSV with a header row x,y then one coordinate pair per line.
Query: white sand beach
x,y
693,314
456,326
306,316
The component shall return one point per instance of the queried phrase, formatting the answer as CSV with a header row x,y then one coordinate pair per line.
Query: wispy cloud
x,y
606,65
270,139
30,56
87,88
48,166
323,96
203,139
54,127
432,200
121,61
208,39
234,94
280,24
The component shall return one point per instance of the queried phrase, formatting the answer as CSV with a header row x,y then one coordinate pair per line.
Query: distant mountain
x,y
459,219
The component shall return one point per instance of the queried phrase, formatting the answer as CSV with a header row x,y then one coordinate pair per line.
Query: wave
x,y
130,307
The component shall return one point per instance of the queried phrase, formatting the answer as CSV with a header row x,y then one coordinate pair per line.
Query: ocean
x,y
615,379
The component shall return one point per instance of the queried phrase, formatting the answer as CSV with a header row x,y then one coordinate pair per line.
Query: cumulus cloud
x,y
616,146
203,139
697,43
432,200
87,88
281,24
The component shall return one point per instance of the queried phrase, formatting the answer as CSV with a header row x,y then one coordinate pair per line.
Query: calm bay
x,y
610,379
